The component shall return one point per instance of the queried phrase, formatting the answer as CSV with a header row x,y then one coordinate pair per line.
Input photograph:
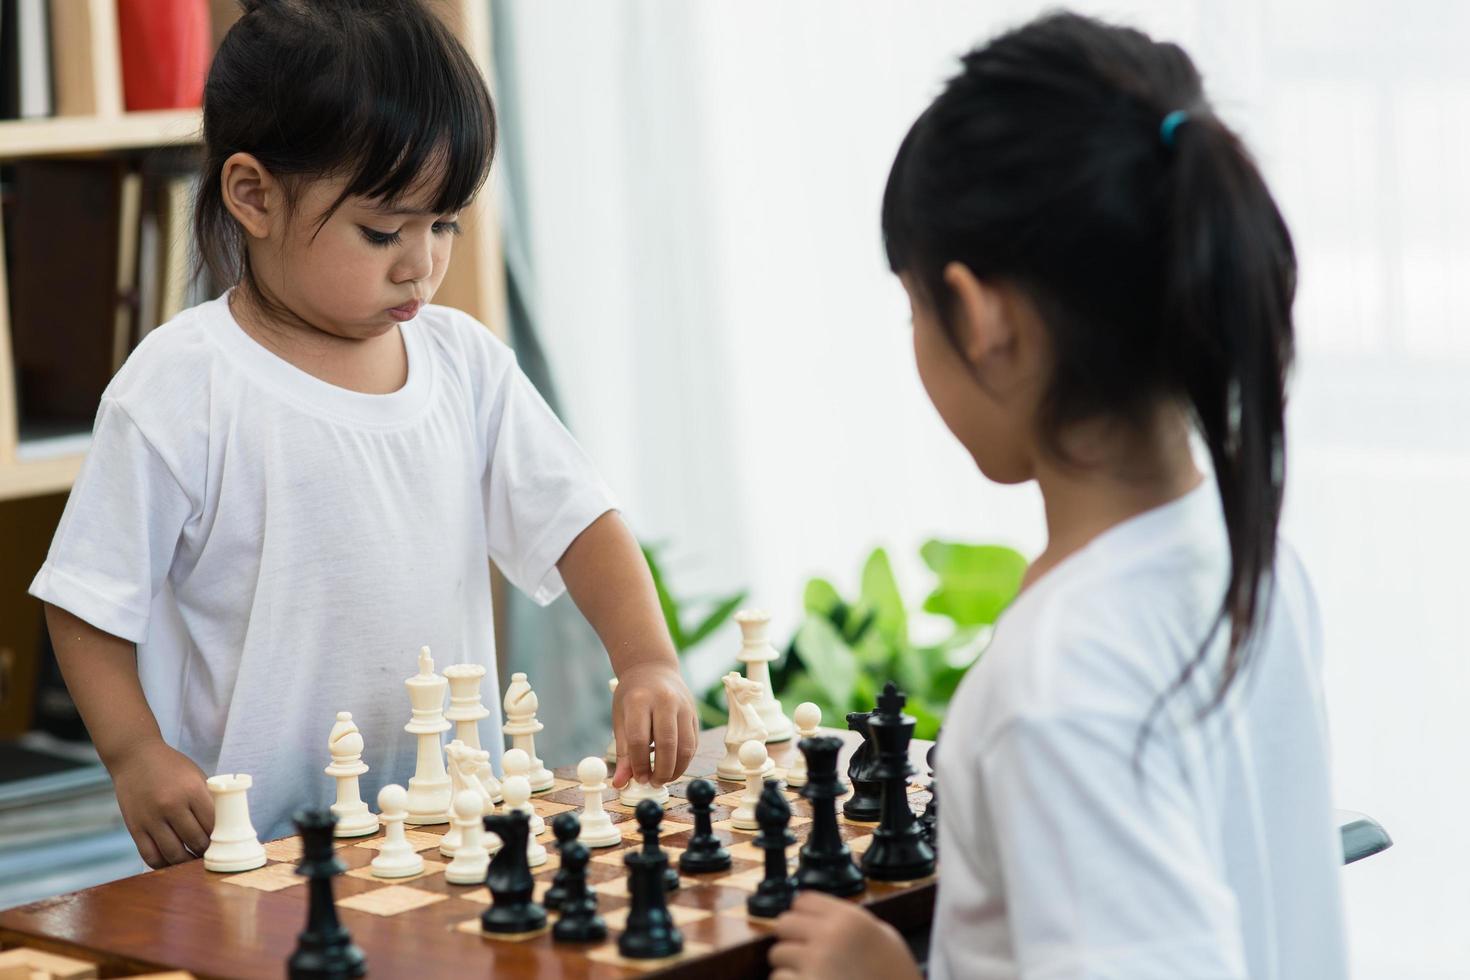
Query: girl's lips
x,y
405,312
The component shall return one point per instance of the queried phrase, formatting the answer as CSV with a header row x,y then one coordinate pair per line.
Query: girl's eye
x,y
446,227
382,238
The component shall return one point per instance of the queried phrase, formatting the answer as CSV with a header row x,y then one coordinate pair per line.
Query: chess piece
x,y
825,862
518,798
428,791
611,755
521,725
233,845
515,763
470,857
757,653
396,858
635,792
324,950
467,710
465,764
774,893
865,805
705,852
745,724
579,921
512,909
354,819
807,718
597,826
898,851
650,932
929,819
753,758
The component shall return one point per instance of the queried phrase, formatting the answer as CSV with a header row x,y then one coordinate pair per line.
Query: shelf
x,y
95,134
35,479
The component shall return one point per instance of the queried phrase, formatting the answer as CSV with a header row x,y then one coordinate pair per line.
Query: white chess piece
x,y
521,725
515,763
233,845
471,860
753,757
757,653
807,716
611,755
428,790
518,797
745,724
354,819
396,858
597,826
463,766
634,792
467,710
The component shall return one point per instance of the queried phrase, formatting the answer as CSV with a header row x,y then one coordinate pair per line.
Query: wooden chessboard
x,y
245,925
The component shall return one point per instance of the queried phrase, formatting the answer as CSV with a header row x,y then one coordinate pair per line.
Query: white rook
x,y
233,845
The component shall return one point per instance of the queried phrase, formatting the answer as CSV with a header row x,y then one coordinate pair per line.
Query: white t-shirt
x,y
1058,860
279,548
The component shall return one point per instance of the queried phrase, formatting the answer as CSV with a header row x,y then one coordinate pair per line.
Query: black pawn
x,y
579,921
776,890
324,951
825,862
650,932
509,878
898,851
866,802
929,819
565,832
651,848
705,852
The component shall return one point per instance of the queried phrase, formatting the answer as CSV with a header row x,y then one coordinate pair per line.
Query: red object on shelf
x,y
165,52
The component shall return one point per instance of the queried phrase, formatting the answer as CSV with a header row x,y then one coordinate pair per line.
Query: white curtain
x,y
701,185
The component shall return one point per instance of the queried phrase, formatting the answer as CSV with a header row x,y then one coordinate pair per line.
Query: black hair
x,y
1156,257
376,92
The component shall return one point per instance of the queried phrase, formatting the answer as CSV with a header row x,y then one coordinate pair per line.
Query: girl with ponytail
x,y
1135,775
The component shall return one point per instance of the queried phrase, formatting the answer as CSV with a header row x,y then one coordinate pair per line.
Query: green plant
x,y
687,637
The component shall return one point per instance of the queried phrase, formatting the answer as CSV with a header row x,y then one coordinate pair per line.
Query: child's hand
x,y
165,804
652,704
824,937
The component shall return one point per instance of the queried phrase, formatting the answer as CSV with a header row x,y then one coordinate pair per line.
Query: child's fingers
x,y
787,956
147,850
201,805
785,974
794,926
168,843
665,744
190,833
688,741
635,747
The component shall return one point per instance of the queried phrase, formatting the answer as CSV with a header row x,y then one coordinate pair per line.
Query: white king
x,y
428,790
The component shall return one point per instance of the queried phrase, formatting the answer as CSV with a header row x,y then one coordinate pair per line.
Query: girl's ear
x,y
250,193
982,322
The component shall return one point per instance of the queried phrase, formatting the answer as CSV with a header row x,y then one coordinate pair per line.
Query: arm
x,y
826,938
608,579
161,793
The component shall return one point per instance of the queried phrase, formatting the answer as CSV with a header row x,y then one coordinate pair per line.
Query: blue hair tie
x,y
1171,125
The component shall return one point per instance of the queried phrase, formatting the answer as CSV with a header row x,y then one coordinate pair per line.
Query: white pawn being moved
x,y
396,858
521,725
518,797
753,758
741,695
634,792
597,826
233,845
515,763
808,717
471,859
354,819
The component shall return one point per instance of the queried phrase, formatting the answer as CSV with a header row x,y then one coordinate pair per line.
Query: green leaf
x,y
665,600
926,721
821,597
715,619
976,582
710,717
829,661
880,593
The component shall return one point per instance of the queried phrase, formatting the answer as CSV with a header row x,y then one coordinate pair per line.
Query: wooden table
x,y
185,918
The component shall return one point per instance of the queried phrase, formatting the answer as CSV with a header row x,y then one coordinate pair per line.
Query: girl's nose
x,y
416,262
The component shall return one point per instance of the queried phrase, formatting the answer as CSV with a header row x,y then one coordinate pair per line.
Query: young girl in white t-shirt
x,y
1134,778
294,487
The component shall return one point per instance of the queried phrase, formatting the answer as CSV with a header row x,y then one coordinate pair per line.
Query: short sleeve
x,y
540,490
118,533
1106,873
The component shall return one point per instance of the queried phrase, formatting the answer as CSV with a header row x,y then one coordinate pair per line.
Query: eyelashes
x,y
385,239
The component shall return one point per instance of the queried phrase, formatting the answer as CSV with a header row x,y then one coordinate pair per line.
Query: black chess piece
x,y
825,862
650,847
929,819
324,951
579,921
705,852
776,890
565,832
898,851
866,802
509,878
650,932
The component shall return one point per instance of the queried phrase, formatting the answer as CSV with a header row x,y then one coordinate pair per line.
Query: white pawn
x,y
634,792
396,858
522,726
518,797
471,860
354,819
515,763
611,755
597,826
753,758
233,845
807,717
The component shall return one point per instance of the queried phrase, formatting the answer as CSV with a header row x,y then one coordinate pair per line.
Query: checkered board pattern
x,y
709,909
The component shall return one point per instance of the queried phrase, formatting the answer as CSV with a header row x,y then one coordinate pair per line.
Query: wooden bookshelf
x,y
68,135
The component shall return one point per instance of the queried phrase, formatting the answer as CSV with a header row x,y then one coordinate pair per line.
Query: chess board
x,y
245,924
